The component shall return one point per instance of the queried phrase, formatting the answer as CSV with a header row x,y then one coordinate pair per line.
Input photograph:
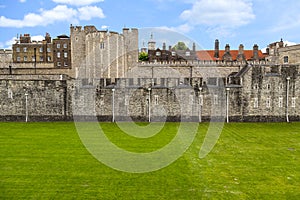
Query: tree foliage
x,y
180,46
143,56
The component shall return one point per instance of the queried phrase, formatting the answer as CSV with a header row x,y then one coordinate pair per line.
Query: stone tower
x,y
103,54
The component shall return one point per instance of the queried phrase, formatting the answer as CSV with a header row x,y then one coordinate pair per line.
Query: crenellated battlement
x,y
202,63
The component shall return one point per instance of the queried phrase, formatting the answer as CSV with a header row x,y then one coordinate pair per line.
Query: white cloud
x,y
222,13
77,2
37,38
8,44
60,13
89,12
45,17
22,1
104,27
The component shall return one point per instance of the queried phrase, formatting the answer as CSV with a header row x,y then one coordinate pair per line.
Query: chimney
x,y
255,52
216,49
241,49
227,48
164,46
281,43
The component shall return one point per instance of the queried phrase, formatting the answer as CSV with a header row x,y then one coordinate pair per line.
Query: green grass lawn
x,y
250,161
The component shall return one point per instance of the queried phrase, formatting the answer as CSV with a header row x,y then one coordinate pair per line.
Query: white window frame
x,y
25,58
65,45
58,45
280,102
24,49
65,54
41,49
255,102
18,49
293,102
58,54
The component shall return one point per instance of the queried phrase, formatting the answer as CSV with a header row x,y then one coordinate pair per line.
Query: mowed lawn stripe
x,y
250,160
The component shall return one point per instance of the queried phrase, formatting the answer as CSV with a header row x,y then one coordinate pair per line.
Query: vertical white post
x,y
113,105
227,105
200,104
287,99
149,106
26,107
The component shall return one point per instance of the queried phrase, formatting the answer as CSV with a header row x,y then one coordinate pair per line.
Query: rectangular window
x,y
102,45
173,53
126,102
41,58
18,49
156,99
66,64
255,105
33,58
280,102
49,58
158,53
58,64
41,50
268,102
25,49
65,45
25,58
201,100
48,49
293,102
58,46
285,59
215,99
18,59
65,54
58,54
187,53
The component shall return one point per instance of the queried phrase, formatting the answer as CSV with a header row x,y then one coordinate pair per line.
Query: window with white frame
x,y
65,45
191,99
158,53
58,54
65,54
25,49
66,64
156,99
49,58
268,102
18,59
126,102
173,53
48,49
280,102
41,49
58,45
18,49
255,102
25,58
215,99
58,64
201,100
187,53
293,102
41,58
33,58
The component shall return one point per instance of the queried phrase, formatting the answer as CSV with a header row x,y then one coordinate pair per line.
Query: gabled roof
x,y
209,54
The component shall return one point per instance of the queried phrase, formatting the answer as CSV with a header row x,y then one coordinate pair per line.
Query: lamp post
x,y
26,106
287,98
227,105
149,105
200,104
113,104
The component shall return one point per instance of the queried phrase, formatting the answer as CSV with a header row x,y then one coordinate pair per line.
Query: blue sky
x,y
231,21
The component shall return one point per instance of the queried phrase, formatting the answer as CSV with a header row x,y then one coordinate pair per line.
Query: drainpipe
x,y
200,105
149,106
287,98
227,105
113,104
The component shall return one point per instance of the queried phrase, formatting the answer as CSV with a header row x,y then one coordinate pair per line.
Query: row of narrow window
x,y
41,50
25,58
280,102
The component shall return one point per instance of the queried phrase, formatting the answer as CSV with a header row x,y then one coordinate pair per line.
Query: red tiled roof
x,y
209,54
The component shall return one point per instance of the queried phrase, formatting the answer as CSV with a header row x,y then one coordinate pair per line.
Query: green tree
x,y
143,56
180,46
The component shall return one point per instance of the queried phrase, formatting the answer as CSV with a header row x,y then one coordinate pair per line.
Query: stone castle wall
x,y
261,95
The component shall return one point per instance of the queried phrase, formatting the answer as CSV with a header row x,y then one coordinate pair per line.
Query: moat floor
x,y
249,161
